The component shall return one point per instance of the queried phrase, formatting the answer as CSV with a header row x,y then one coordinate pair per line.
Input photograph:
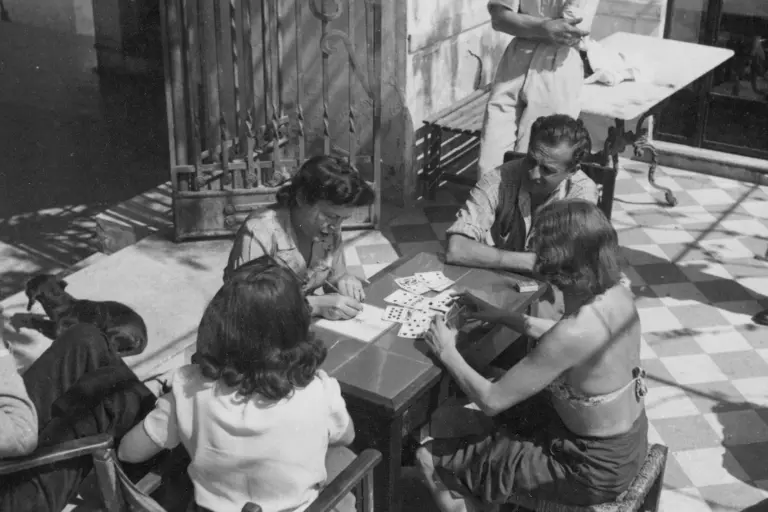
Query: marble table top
x,y
674,65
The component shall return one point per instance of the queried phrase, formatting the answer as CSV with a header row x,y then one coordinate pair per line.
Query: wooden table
x,y
392,384
673,65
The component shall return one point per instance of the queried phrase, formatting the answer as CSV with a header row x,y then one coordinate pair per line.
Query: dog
x,y
125,330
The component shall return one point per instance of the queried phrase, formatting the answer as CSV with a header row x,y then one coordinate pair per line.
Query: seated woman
x,y
79,387
259,419
303,231
594,440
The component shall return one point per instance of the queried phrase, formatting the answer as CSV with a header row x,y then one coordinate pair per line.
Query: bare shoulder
x,y
597,322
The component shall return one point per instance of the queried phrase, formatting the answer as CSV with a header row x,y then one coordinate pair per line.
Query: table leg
x,y
618,140
383,434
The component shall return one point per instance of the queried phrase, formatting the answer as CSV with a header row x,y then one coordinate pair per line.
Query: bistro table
x,y
392,384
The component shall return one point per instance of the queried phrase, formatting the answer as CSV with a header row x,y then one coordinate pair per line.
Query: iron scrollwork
x,y
327,42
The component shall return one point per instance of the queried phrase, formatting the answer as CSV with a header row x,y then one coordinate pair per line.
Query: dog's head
x,y
44,285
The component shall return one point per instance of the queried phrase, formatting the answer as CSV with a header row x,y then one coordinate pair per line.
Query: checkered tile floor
x,y
697,284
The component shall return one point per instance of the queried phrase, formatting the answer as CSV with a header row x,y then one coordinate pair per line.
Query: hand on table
x,y
334,306
440,337
351,286
564,32
476,308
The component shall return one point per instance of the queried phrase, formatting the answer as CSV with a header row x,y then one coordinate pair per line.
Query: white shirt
x,y
250,449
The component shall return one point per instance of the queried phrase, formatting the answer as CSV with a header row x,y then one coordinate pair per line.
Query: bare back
x,y
603,395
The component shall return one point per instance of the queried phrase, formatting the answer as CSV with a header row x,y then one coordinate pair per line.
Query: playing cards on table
x,y
414,311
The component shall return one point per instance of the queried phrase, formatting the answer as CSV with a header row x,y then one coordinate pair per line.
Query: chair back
x,y
603,176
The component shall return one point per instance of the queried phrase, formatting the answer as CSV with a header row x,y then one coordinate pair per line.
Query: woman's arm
x,y
565,345
529,325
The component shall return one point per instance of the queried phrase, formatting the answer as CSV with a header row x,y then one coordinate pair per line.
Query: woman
x,y
303,232
260,420
541,72
593,440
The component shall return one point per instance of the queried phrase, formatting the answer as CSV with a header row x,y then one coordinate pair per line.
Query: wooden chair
x,y
120,494
604,177
100,448
642,496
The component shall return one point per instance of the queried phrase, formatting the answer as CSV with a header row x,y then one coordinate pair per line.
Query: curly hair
x,y
558,128
327,178
576,247
254,335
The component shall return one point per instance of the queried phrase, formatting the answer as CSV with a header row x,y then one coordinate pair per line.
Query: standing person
x,y
78,387
303,231
541,72
261,422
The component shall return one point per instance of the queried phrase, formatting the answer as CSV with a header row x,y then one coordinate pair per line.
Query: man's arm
x,y
466,237
508,20
471,253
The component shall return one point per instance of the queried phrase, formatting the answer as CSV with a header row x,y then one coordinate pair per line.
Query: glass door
x,y
727,110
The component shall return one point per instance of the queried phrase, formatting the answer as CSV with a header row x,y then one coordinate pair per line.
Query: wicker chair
x,y
642,496
604,177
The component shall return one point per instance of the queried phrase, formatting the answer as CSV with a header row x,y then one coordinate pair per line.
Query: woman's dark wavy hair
x,y
254,335
327,178
558,128
576,247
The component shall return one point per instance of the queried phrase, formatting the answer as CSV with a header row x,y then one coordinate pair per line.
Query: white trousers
x,y
532,80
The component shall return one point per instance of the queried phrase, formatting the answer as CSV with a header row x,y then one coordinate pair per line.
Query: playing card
x,y
406,299
416,326
436,280
454,316
399,314
412,284
442,301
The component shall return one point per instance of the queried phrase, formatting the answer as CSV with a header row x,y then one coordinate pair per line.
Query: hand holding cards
x,y
411,309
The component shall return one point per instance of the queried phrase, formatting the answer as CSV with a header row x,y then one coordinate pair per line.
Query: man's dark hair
x,y
559,128
254,335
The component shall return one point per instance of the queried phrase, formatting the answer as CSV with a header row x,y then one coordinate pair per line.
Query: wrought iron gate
x,y
253,88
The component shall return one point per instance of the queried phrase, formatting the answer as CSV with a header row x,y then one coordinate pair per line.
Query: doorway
x,y
727,109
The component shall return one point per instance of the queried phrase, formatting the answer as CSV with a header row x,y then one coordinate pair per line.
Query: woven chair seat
x,y
629,501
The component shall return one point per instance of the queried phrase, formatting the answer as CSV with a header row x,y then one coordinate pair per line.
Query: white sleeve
x,y
338,415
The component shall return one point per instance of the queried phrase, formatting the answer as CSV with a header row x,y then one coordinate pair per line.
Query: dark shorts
x,y
545,461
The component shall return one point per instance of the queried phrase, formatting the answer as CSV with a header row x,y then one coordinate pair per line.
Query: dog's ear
x,y
63,284
32,300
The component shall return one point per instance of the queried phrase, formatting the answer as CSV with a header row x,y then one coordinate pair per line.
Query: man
x,y
541,72
492,229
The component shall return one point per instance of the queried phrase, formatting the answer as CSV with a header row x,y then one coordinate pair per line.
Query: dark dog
x,y
123,327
